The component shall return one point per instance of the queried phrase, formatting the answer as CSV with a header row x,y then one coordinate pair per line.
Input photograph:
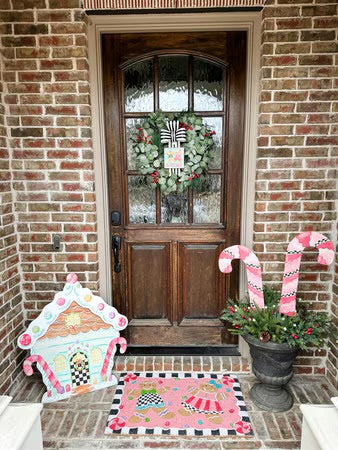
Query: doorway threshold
x,y
225,350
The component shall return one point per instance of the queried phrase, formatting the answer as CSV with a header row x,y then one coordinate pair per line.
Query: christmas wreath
x,y
150,152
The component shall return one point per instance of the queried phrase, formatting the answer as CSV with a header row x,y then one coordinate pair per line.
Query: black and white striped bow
x,y
173,133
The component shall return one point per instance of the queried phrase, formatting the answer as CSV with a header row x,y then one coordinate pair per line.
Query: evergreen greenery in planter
x,y
301,330
274,340
276,325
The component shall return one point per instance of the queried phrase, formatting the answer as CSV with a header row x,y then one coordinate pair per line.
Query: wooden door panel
x,y
200,283
170,286
148,266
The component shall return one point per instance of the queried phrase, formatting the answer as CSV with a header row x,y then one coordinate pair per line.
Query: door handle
x,y
116,245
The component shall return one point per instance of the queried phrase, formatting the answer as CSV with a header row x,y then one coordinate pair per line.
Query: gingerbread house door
x,y
79,369
166,247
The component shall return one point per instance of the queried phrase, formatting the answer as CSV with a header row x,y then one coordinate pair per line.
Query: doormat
x,y
178,404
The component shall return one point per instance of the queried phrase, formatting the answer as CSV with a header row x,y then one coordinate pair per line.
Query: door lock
x,y
116,245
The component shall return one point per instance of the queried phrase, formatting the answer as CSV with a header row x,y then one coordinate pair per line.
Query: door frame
x,y
138,23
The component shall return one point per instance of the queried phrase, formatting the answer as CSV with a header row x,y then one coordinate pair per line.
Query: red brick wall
x,y
47,106
297,133
11,308
332,360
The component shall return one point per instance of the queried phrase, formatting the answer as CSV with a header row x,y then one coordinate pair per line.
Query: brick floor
x,y
79,422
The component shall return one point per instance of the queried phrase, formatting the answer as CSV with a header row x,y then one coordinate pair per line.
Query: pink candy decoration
x,y
61,301
25,339
100,306
113,343
27,368
116,423
72,278
287,304
122,322
130,377
253,270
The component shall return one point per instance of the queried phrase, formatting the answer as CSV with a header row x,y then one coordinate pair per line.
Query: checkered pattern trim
x,y
114,410
80,377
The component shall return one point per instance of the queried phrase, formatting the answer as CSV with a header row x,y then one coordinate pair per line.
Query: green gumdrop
x,y
147,419
36,329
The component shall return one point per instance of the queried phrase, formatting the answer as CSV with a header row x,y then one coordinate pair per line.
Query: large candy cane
x,y
27,368
123,347
287,304
253,270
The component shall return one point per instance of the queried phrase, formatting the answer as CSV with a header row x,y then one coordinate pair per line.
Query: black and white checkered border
x,y
114,410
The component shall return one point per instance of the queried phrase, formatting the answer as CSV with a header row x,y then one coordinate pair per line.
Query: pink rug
x,y
178,403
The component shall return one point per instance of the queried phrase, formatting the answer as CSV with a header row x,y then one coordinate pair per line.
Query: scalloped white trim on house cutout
x,y
72,292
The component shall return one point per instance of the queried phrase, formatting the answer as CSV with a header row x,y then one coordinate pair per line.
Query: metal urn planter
x,y
272,365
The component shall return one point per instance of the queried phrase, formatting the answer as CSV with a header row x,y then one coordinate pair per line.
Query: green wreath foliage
x,y
199,149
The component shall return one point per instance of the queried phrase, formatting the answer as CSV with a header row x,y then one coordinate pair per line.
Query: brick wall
x,y
48,119
47,108
11,308
297,133
332,360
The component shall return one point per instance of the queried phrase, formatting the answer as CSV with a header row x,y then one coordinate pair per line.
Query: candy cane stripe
x,y
302,241
113,343
27,367
253,270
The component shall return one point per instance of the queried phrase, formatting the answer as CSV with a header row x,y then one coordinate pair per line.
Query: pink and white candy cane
x,y
253,270
27,368
287,304
123,347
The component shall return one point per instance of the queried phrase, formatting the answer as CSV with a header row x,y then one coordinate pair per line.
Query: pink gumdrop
x,y
25,339
122,322
67,388
100,306
49,393
61,301
72,278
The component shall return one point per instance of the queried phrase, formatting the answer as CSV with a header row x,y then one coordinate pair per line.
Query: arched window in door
x,y
176,83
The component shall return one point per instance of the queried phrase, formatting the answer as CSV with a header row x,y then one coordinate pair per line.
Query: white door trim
x,y
99,24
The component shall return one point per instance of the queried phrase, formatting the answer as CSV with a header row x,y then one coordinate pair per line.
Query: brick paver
x,y
78,423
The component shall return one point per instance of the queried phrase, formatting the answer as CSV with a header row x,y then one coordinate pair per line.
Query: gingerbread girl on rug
x,y
205,399
149,397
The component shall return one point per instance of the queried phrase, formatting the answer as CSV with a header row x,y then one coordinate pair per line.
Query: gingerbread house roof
x,y
74,310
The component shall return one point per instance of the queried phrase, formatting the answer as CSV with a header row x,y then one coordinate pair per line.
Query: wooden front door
x,y
168,282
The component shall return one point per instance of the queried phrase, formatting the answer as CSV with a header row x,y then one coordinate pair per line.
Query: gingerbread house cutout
x,y
73,342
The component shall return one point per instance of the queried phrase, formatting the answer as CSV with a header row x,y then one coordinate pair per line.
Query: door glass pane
x,y
138,87
216,123
131,126
207,203
174,208
142,201
208,86
173,83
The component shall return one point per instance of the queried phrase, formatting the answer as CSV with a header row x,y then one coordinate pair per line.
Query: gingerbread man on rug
x,y
149,397
204,399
